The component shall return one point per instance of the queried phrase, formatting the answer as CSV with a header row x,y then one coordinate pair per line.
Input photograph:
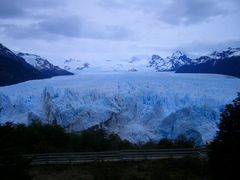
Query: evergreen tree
x,y
224,157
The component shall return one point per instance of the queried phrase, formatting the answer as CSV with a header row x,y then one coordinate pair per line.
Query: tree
x,y
12,164
224,157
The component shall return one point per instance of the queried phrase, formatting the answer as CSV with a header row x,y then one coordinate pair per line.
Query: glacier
x,y
137,106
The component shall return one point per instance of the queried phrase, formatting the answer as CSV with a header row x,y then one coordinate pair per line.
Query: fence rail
x,y
123,155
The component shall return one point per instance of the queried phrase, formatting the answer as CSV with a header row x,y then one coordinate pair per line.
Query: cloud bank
x,y
117,29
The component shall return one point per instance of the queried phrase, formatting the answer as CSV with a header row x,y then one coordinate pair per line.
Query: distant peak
x,y
2,46
227,53
155,56
228,49
177,54
5,50
72,60
233,49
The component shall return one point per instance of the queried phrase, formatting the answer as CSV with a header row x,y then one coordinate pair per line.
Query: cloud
x,y
66,26
8,10
116,3
32,31
174,12
188,12
128,26
72,26
203,47
24,8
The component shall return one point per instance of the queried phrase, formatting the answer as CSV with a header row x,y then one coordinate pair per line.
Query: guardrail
x,y
123,155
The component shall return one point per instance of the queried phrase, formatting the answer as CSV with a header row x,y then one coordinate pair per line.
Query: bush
x,y
12,164
19,139
46,138
183,142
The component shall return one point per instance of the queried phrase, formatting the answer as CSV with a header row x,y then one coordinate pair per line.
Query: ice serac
x,y
137,106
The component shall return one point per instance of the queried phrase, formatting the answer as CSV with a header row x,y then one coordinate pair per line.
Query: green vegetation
x,y
19,139
224,154
45,138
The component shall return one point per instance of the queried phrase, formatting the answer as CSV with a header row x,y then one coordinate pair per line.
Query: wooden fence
x,y
123,155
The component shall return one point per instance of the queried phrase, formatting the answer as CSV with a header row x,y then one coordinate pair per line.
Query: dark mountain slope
x,y
14,69
228,66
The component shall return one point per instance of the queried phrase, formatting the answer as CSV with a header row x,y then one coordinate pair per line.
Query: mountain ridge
x,y
226,62
176,62
15,68
43,65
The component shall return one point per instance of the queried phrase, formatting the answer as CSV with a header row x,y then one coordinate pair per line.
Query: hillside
x,y
20,67
228,66
14,69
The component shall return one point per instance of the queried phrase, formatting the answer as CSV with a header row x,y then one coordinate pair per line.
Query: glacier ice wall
x,y
137,106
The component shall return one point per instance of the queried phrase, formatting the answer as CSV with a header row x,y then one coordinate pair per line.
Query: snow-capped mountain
x,y
157,61
178,59
14,69
171,63
79,66
137,106
75,65
43,65
225,62
217,55
19,67
230,52
137,63
148,64
36,61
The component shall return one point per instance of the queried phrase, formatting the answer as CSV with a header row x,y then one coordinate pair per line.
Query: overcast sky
x,y
118,29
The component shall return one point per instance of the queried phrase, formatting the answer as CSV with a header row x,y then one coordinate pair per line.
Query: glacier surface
x,y
137,106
